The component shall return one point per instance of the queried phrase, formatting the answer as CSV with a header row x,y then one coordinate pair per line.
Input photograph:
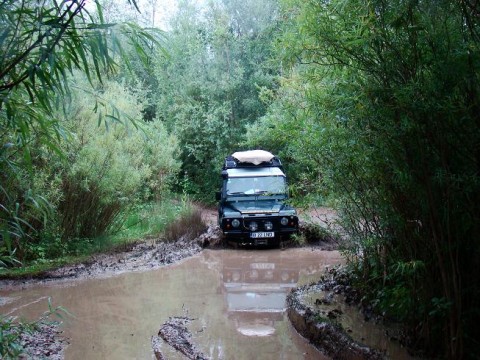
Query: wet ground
x,y
234,300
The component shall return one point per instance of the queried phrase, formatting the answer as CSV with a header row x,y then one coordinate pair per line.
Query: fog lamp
x,y
268,225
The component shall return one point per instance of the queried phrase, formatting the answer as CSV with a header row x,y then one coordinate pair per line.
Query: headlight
x,y
284,221
253,226
268,225
235,223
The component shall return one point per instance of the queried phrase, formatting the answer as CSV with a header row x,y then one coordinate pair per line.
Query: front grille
x,y
261,224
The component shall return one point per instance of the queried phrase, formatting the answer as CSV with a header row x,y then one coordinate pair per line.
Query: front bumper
x,y
262,234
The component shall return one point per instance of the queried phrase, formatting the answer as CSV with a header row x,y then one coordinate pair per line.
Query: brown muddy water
x,y
236,298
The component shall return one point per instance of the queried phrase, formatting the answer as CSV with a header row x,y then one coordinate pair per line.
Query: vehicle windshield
x,y
261,185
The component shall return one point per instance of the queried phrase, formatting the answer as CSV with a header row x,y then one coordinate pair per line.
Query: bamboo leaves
x,y
41,47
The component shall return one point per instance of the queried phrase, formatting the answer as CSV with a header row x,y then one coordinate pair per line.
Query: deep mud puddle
x,y
235,298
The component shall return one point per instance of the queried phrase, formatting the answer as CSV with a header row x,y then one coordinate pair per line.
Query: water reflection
x,y
255,288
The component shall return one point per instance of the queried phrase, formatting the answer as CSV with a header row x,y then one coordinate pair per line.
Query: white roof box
x,y
255,157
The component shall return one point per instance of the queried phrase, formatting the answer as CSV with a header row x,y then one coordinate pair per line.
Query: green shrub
x,y
110,162
114,166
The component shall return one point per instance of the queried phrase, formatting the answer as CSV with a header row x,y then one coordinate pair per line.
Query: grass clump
x,y
188,226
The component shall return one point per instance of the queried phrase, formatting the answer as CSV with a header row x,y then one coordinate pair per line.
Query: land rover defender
x,y
252,207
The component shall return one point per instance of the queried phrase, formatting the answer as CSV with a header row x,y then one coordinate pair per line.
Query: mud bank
x,y
340,323
43,341
143,256
322,333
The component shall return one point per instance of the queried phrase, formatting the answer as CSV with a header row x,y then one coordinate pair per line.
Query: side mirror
x,y
218,195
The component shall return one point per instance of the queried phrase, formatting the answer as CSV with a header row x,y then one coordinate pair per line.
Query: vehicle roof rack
x,y
251,159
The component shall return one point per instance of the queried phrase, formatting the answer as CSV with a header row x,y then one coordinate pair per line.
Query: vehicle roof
x,y
254,172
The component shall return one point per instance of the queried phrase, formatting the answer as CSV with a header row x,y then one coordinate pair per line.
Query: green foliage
x,y
381,111
290,130
111,168
153,218
10,346
41,46
145,220
400,294
104,171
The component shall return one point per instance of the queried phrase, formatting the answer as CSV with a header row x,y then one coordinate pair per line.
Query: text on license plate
x,y
257,235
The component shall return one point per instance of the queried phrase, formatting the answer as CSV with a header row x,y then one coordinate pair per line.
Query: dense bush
x,y
104,170
389,120
113,166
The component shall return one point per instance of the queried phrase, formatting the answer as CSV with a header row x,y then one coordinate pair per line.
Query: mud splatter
x,y
176,334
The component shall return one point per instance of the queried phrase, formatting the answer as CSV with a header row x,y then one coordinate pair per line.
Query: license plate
x,y
257,235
